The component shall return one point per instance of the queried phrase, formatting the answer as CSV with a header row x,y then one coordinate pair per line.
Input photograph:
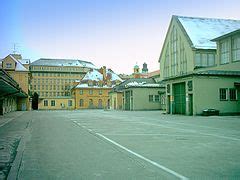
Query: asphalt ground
x,y
98,144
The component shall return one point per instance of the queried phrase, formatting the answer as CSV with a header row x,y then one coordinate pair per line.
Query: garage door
x,y
179,98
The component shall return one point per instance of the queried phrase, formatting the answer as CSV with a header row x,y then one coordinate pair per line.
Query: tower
x,y
136,73
144,69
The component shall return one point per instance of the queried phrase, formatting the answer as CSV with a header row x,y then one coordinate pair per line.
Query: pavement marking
x,y
144,158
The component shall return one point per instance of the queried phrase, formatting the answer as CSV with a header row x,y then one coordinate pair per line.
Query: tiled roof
x,y
202,30
63,62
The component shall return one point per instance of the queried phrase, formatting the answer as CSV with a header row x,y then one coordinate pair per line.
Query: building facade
x,y
52,79
195,69
12,65
93,90
138,94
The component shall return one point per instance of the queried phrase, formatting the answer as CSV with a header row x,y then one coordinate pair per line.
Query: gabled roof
x,y
62,62
202,30
19,66
95,75
227,35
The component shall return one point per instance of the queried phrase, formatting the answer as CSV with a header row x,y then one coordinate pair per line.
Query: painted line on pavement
x,y
144,158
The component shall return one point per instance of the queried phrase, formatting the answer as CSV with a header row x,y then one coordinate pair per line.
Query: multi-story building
x,y
199,74
92,91
14,84
52,80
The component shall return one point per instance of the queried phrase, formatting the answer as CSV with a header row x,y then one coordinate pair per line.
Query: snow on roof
x,y
114,76
19,66
87,86
202,30
24,61
141,84
93,75
63,62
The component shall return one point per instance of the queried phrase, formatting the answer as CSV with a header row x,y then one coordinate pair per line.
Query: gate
x,y
179,98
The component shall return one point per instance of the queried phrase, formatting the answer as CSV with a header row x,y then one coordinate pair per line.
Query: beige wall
x,y
116,99
86,96
60,103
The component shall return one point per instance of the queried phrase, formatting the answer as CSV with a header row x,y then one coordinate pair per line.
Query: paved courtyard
x,y
98,144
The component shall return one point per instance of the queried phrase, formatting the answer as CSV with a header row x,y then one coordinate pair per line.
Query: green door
x,y
127,100
179,98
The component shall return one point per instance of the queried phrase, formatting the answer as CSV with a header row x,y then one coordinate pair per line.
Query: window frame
x,y
221,95
233,94
53,103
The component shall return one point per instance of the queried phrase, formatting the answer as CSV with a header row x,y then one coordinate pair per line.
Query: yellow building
x,y
92,91
54,78
13,66
56,103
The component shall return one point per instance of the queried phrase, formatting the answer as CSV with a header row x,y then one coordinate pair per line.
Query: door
x,y
190,104
179,98
127,100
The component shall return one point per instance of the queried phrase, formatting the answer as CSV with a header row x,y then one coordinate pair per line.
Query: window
x,y
81,103
69,102
204,59
100,92
90,91
233,94
150,98
81,91
45,102
236,48
157,99
52,102
8,65
223,94
174,53
224,52
90,102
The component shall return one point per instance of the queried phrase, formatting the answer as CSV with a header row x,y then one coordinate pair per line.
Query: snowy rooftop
x,y
19,66
95,75
202,30
87,86
24,61
63,62
142,84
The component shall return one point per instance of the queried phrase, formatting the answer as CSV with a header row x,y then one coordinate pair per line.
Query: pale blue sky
x,y
115,33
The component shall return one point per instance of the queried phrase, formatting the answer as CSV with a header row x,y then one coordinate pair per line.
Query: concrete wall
x,y
206,94
141,98
116,100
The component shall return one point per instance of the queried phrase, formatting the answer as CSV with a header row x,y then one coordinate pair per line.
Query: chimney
x,y
104,73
